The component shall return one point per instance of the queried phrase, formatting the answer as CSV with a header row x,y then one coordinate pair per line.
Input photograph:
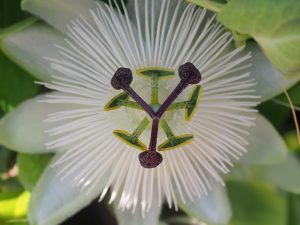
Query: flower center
x,y
122,79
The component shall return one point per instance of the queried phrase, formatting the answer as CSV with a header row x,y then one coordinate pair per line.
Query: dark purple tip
x,y
150,159
189,73
121,79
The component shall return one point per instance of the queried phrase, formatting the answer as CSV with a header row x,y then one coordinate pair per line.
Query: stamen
x,y
168,131
140,129
115,102
133,139
173,141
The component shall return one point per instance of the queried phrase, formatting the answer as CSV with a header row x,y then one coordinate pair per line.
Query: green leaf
x,y
293,209
114,103
10,12
31,167
11,185
278,119
294,94
256,203
291,139
13,204
273,24
15,84
16,222
6,158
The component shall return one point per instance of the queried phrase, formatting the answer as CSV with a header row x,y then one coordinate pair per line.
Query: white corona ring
x,y
199,135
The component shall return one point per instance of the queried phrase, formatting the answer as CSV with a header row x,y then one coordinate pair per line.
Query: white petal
x,y
284,175
54,200
60,13
266,146
29,46
213,209
24,129
127,217
265,74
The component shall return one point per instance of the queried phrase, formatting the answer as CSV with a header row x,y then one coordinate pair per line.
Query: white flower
x,y
90,160
86,131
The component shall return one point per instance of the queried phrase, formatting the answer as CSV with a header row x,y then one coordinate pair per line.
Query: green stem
x,y
168,131
154,89
140,129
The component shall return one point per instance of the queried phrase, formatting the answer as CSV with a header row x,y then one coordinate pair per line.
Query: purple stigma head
x,y
121,79
150,159
189,73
